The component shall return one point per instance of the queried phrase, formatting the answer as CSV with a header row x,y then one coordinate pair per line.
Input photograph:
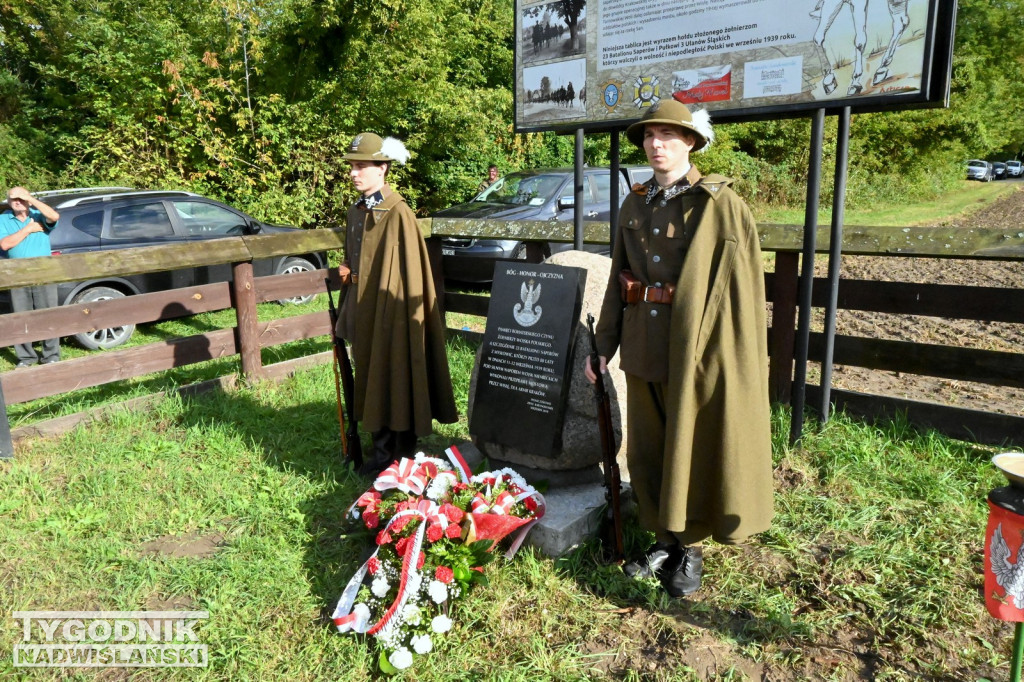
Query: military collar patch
x,y
669,192
371,201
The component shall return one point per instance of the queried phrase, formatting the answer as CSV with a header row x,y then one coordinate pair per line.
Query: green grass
x,y
876,544
84,399
970,197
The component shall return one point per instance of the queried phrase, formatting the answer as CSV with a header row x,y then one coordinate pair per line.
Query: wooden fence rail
x,y
249,336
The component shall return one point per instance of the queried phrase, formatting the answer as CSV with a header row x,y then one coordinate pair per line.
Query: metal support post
x,y
796,424
835,255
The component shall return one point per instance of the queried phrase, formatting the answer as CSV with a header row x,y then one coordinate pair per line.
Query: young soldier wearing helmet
x,y
685,306
389,311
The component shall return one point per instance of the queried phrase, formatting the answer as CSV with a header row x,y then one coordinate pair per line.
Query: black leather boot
x,y
682,576
652,561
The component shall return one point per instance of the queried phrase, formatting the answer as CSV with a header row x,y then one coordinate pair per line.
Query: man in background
x,y
492,176
24,233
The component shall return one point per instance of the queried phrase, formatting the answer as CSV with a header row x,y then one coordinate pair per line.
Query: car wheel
x,y
292,265
110,337
519,253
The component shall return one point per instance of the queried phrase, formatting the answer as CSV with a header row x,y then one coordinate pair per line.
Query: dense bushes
x,y
254,101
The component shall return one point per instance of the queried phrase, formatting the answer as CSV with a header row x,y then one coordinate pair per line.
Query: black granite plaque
x,y
523,378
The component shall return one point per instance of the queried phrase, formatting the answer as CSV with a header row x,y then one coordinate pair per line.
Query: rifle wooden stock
x,y
350,444
612,482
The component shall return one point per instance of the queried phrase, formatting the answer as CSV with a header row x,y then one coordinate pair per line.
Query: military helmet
x,y
675,113
370,147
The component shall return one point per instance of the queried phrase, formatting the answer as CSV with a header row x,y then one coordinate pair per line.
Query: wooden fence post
x,y
783,333
6,444
243,293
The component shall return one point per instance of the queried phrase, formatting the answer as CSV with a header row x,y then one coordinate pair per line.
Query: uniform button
x,y
663,203
656,259
654,313
657,231
657,285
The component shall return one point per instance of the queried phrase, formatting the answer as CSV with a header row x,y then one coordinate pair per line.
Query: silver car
x,y
979,170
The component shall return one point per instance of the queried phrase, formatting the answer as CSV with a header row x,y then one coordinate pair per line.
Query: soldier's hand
x,y
346,273
588,371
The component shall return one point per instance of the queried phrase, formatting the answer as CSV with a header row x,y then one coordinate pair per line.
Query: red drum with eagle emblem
x,y
1004,554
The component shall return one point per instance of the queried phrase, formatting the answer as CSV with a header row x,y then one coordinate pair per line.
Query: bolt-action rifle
x,y
344,381
612,482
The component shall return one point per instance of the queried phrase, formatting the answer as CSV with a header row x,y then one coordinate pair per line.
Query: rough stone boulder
x,y
581,439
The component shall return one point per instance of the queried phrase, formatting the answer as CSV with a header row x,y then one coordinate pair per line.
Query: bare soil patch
x,y
195,545
1005,213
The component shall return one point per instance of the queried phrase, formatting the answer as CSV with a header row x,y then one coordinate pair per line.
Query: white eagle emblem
x,y
528,312
1009,575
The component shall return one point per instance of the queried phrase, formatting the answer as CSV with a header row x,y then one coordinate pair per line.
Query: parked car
x,y
979,170
999,170
1014,169
539,194
110,218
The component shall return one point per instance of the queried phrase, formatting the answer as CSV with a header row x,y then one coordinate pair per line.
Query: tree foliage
x,y
254,101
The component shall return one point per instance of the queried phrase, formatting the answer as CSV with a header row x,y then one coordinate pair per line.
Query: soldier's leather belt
x,y
353,277
633,290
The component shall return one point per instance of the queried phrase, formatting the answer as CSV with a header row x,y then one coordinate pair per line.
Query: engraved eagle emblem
x,y
528,312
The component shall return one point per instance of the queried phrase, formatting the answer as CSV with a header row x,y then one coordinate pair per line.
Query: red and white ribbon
x,y
346,619
406,475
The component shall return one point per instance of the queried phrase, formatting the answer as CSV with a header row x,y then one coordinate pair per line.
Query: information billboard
x,y
598,64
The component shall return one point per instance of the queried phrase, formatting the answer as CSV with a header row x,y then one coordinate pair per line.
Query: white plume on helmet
x,y
702,124
393,148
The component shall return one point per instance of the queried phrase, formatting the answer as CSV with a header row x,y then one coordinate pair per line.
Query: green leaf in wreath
x,y
385,664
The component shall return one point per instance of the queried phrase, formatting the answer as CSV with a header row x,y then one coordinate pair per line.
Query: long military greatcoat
x,y
710,351
391,318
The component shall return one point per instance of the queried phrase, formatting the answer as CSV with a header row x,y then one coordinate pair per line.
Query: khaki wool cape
x,y
391,318
717,466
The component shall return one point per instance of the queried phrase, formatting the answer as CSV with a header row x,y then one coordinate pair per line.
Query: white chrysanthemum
x,y
441,624
421,644
400,658
380,586
356,513
702,124
412,614
438,591
393,148
440,486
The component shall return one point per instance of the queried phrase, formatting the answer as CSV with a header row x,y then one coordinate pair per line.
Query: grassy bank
x,y
233,503
969,197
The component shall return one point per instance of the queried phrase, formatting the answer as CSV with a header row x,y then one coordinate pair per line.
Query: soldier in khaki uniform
x,y
389,311
685,307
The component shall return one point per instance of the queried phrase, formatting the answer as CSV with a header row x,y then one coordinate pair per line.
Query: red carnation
x,y
401,522
401,546
383,537
530,503
452,513
371,519
453,531
420,560
444,574
435,532
373,565
460,486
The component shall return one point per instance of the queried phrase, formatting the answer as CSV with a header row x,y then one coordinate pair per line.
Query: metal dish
x,y
1012,466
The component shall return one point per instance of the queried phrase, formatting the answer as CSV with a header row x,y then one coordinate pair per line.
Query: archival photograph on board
x,y
555,91
553,31
746,55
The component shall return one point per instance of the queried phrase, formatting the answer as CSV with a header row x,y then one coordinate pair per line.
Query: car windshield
x,y
521,189
976,164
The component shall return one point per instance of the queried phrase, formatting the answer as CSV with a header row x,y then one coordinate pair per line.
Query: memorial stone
x,y
525,359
